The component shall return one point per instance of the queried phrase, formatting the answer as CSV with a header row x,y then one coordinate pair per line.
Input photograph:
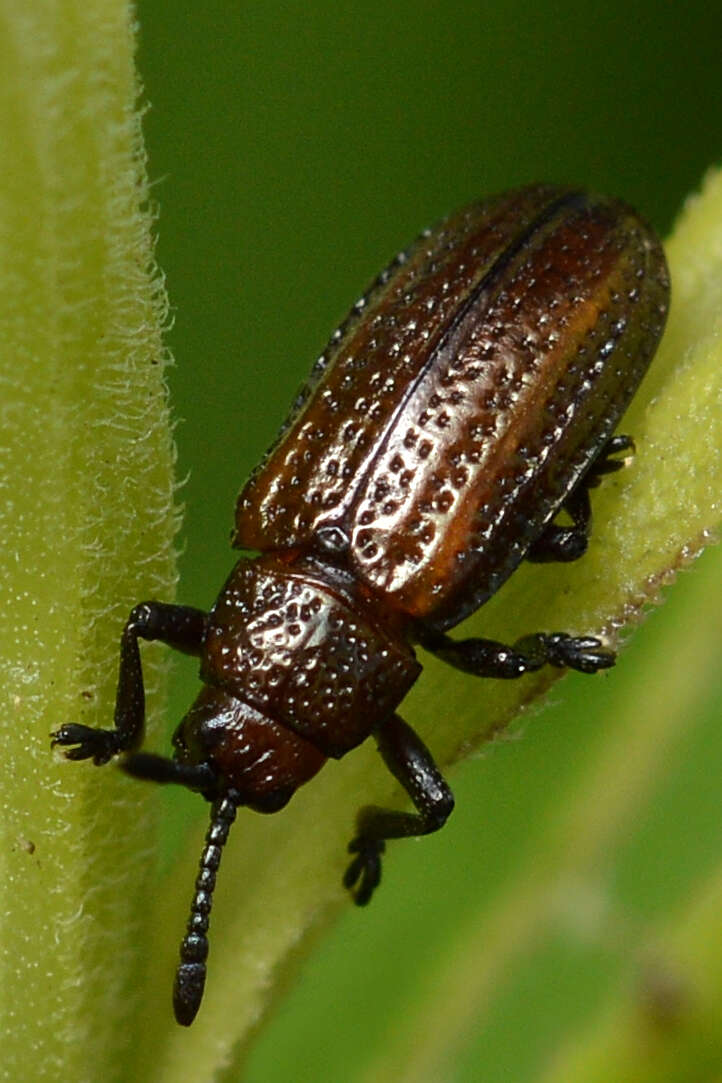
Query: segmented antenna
x,y
191,973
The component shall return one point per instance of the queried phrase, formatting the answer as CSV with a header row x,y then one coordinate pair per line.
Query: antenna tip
x,y
188,991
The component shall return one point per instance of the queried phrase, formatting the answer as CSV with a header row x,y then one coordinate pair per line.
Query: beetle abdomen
x,y
466,397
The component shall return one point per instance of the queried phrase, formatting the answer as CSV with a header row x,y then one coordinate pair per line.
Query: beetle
x,y
470,395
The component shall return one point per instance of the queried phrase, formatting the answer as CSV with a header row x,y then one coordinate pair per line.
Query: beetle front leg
x,y
197,777
488,658
180,627
567,543
410,761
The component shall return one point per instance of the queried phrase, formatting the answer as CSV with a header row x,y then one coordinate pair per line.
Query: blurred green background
x,y
294,148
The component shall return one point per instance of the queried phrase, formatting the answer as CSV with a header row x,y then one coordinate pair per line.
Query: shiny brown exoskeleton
x,y
471,394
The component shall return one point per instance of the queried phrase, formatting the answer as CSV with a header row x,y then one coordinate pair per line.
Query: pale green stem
x,y
86,524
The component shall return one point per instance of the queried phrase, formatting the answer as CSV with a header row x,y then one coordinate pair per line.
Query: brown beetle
x,y
470,395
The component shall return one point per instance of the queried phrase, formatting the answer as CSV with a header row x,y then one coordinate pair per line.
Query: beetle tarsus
x,y
587,654
90,744
487,658
559,545
605,463
365,869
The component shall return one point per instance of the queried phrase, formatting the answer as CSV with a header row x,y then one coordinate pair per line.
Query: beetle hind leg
x,y
409,760
567,543
488,658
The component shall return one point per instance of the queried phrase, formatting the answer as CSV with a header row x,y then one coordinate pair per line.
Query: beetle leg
x,y
604,463
566,543
199,777
487,658
410,761
179,627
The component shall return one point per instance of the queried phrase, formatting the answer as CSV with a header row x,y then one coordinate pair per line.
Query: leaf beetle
x,y
470,395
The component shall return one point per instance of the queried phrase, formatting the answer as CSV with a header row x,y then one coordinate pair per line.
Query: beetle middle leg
x,y
178,626
488,658
567,543
410,761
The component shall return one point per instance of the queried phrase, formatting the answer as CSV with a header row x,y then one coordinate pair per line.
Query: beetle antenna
x,y
191,973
